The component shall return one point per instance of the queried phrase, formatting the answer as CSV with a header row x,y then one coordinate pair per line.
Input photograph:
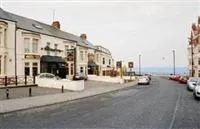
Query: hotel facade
x,y
29,47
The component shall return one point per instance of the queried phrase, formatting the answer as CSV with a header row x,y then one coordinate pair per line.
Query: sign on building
x,y
119,64
130,64
70,55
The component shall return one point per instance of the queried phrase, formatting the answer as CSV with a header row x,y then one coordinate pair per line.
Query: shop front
x,y
53,64
93,68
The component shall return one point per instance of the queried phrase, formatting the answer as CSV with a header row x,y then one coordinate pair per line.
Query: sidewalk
x,y
38,101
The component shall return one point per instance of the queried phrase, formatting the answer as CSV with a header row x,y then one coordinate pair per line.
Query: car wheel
x,y
195,96
188,88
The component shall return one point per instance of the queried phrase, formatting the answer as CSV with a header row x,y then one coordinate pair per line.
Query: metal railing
x,y
17,80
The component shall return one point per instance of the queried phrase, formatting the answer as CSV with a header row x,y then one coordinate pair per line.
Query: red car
x,y
177,77
183,79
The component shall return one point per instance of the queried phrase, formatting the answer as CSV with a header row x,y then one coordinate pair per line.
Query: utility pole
x,y
174,61
139,64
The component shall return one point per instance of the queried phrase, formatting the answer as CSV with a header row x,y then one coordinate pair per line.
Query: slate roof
x,y
28,24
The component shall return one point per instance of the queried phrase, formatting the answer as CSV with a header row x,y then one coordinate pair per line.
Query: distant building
x,y
195,43
29,47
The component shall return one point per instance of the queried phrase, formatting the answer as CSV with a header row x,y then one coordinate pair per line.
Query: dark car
x,y
80,77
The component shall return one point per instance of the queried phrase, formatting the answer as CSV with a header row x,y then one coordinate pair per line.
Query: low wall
x,y
106,79
68,85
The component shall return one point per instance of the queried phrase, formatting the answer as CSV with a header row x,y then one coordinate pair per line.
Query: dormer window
x,y
37,26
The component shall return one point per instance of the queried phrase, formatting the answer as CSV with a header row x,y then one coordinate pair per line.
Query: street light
x,y
174,60
139,64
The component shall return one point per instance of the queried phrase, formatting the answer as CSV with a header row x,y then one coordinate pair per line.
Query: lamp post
x,y
174,59
139,64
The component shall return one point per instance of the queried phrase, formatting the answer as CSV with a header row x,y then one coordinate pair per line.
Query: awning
x,y
52,59
92,64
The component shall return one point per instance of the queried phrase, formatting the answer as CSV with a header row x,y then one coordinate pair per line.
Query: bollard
x,y
62,89
16,80
30,92
7,93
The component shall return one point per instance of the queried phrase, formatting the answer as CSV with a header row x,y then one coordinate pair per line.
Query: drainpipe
x,y
15,49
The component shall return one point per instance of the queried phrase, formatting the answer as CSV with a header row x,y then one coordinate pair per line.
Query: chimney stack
x,y
83,36
56,24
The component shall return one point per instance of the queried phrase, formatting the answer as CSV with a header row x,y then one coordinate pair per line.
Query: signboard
x,y
130,64
119,64
70,55
32,57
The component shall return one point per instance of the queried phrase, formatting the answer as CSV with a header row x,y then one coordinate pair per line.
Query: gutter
x,y
15,42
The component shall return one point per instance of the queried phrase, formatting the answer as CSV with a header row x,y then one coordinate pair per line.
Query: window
x,y
109,61
72,69
81,55
66,48
72,47
103,60
81,69
56,47
27,69
35,46
199,61
5,64
35,69
48,45
199,74
26,45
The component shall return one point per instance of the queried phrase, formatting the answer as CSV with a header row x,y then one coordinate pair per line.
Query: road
x,y
163,104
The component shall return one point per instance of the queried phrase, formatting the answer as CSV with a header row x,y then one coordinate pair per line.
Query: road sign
x,y
119,64
130,64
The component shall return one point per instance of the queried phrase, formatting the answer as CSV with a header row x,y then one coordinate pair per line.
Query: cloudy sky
x,y
128,28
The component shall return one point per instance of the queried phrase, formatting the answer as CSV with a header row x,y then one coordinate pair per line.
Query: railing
x,y
17,80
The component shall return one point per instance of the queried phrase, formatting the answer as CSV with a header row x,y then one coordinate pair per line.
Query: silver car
x,y
191,83
196,91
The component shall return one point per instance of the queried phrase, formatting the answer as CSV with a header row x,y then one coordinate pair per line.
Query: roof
x,y
42,28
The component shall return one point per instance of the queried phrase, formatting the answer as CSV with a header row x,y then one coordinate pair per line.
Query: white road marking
x,y
175,110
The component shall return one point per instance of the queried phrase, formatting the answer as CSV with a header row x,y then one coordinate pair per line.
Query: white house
x,y
29,47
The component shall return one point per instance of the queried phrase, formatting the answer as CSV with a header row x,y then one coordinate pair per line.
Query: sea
x,y
161,70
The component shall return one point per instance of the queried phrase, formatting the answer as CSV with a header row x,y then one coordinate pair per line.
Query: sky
x,y
127,28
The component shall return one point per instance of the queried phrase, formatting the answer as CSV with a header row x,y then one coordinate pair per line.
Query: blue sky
x,y
128,28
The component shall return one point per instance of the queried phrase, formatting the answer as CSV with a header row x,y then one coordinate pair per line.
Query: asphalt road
x,y
163,104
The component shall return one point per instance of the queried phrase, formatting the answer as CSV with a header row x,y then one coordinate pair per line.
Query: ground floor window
x,y
35,69
27,69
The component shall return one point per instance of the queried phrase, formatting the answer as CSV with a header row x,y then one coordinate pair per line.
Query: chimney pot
x,y
56,24
83,36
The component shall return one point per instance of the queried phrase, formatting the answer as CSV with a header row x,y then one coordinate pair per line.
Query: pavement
x,y
49,96
164,104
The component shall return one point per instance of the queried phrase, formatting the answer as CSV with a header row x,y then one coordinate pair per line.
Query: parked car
x,y
48,79
80,76
149,76
144,80
191,83
196,90
183,79
171,77
177,77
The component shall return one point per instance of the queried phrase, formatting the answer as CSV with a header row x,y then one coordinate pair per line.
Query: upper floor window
x,y
35,46
66,48
56,47
0,38
48,45
109,61
103,60
72,47
26,45
199,61
81,56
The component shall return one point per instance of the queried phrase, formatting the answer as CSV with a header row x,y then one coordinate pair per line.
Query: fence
x,y
14,81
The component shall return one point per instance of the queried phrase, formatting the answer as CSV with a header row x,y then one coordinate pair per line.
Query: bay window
x,y
35,46
26,45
